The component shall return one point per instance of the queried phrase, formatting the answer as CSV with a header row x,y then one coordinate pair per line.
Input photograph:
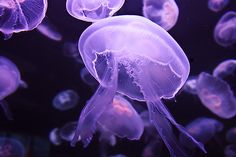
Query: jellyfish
x,y
190,85
142,62
10,147
203,129
225,69
54,137
65,100
230,151
231,135
118,155
87,77
67,131
163,12
225,30
92,11
217,5
21,15
70,50
10,80
152,149
49,30
216,95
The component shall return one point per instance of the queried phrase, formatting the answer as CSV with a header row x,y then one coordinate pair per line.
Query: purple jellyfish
x,y
93,10
216,95
67,131
225,30
225,69
231,135
21,15
163,12
191,85
10,147
54,137
217,5
87,77
142,62
70,49
230,151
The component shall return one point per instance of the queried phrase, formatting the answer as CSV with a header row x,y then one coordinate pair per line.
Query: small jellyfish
x,y
225,69
118,155
148,72
216,95
54,137
65,100
152,149
163,12
191,85
87,77
225,30
217,5
10,80
231,135
70,49
93,10
230,151
49,30
10,147
203,129
67,131
21,15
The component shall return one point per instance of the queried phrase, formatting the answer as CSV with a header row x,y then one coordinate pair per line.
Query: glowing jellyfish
x,y
231,135
163,12
216,95
87,77
225,69
10,147
94,10
150,71
225,30
203,129
54,137
65,100
217,5
21,15
230,151
191,85
67,131
49,30
9,82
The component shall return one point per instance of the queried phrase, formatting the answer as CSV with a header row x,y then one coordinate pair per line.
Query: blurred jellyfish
x,y
230,151
94,10
118,155
87,77
49,30
67,131
231,135
163,12
152,149
54,137
217,5
70,49
10,80
65,100
10,147
148,72
216,95
203,129
21,15
190,85
225,29
225,69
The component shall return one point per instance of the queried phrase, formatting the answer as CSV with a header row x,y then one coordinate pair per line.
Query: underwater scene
x,y
118,78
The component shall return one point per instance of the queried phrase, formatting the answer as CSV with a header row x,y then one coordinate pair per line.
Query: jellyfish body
x,y
67,131
231,135
191,85
150,71
21,15
217,5
216,95
203,129
87,77
94,10
225,29
225,69
65,100
54,137
49,30
230,151
163,12
10,147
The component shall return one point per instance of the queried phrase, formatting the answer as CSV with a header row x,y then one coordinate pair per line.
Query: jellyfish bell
x,y
217,5
148,72
67,131
10,147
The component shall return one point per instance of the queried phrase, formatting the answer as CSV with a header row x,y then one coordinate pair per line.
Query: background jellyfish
x,y
87,77
216,95
225,69
10,147
217,5
54,137
92,11
67,131
21,15
224,32
231,135
191,85
230,151
65,100
124,67
70,49
163,12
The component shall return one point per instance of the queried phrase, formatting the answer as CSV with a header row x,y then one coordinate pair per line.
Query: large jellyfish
x,y
21,15
133,56
93,10
216,95
163,12
225,29
10,147
217,5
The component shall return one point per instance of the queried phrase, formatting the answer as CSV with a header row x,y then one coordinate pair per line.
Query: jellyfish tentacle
x,y
6,109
